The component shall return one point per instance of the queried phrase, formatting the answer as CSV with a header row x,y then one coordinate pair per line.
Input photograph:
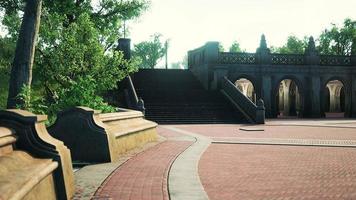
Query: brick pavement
x,y
233,172
247,171
144,177
275,131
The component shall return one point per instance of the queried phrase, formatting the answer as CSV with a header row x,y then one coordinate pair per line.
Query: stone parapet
x,y
33,164
93,137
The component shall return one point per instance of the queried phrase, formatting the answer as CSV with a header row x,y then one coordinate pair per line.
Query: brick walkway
x,y
275,131
143,177
247,171
233,172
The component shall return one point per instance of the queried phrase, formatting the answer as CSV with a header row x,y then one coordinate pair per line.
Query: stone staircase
x,y
177,97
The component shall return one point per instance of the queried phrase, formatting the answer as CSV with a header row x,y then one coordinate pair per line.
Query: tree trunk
x,y
21,72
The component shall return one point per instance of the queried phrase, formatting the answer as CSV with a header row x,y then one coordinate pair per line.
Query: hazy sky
x,y
191,23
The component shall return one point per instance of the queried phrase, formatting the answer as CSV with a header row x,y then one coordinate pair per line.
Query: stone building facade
x,y
305,85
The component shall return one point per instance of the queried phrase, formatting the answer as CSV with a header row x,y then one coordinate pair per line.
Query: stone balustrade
x,y
33,165
93,137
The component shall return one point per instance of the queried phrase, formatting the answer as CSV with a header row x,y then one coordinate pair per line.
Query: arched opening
x,y
288,99
334,99
246,87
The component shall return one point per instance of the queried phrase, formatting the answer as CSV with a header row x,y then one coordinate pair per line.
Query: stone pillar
x,y
311,55
353,97
267,94
263,53
211,56
315,97
219,74
260,112
286,99
124,45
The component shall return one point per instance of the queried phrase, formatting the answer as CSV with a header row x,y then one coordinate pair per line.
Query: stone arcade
x,y
305,85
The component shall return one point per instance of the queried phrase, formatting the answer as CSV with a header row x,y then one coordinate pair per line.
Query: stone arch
x,y
247,87
288,96
335,96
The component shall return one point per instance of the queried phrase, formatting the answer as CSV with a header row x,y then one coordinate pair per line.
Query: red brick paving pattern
x,y
295,132
233,172
143,177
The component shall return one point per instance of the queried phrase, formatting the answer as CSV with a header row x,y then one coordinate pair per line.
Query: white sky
x,y
191,23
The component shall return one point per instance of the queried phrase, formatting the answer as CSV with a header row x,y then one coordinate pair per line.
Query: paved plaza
x,y
283,159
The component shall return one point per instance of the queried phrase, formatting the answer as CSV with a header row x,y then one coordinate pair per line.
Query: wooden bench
x,y
33,165
93,137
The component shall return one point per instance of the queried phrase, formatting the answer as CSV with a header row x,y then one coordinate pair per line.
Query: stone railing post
x,y
124,45
260,112
311,55
211,54
263,53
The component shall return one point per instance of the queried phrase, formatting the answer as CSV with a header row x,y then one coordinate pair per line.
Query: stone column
x,y
124,45
210,59
267,94
315,97
353,97
263,53
286,100
311,55
219,74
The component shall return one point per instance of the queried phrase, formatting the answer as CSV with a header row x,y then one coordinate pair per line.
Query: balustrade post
x,y
311,55
211,52
263,53
124,45
353,96
260,112
267,94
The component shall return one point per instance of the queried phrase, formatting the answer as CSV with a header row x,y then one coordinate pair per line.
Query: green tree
x,y
235,47
150,52
7,49
77,42
338,40
294,45
21,71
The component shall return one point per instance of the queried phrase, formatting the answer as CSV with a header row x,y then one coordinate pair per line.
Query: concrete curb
x,y
183,180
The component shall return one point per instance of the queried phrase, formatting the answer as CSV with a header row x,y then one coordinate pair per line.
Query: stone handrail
x,y
284,59
287,59
237,58
255,113
335,60
132,100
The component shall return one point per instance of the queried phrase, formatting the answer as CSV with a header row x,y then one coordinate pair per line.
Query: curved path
x,y
184,181
145,175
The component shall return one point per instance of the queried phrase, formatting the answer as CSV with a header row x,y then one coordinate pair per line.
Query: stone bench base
x,y
95,138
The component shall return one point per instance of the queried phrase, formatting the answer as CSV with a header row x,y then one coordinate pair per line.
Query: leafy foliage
x,y
150,52
31,102
75,58
7,48
294,45
235,47
338,40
